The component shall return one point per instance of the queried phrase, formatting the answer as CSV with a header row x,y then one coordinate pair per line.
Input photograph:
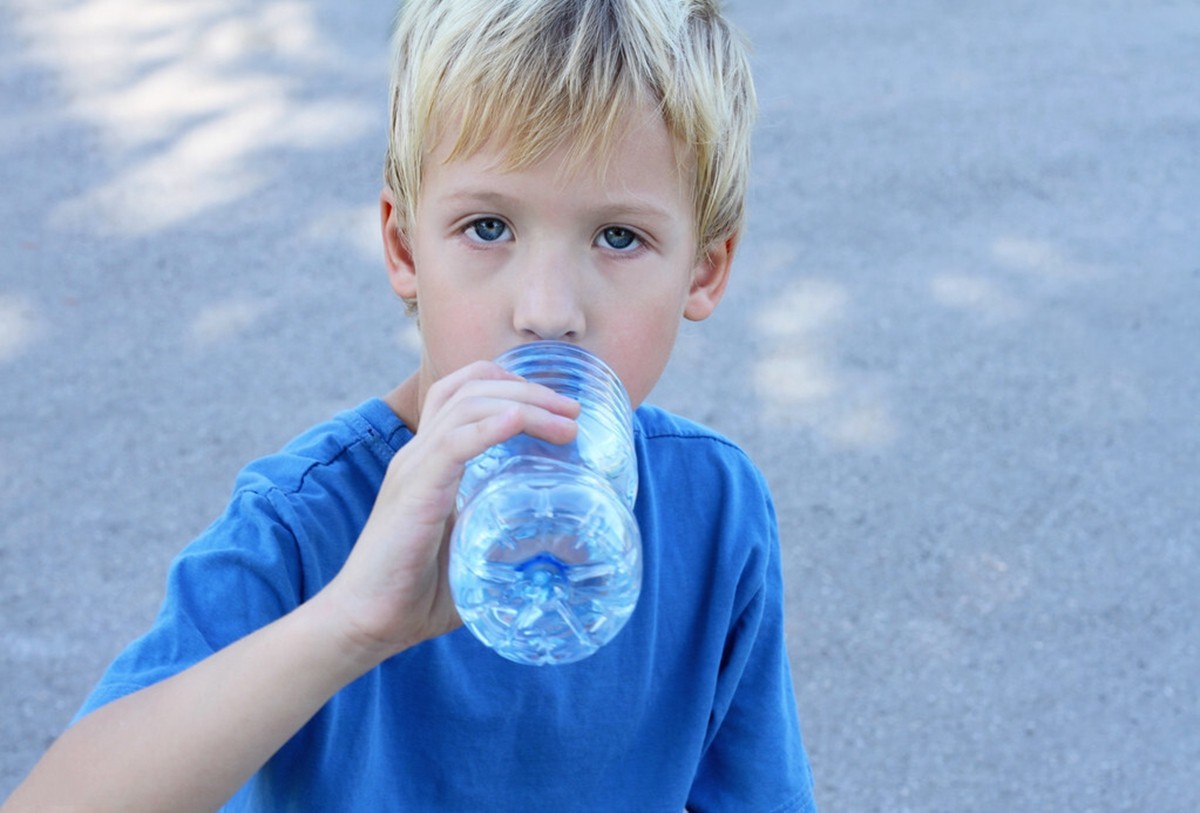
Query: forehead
x,y
637,135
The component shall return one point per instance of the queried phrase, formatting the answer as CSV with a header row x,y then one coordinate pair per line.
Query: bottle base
x,y
545,572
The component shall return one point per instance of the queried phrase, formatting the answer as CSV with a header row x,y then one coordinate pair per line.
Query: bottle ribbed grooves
x,y
546,556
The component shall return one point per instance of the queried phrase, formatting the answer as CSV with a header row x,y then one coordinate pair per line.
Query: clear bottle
x,y
546,556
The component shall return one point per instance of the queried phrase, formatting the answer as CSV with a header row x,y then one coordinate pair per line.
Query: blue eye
x,y
487,229
619,238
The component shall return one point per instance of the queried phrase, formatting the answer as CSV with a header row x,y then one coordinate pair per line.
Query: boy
x,y
557,169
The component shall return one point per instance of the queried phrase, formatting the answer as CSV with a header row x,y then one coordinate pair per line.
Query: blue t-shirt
x,y
691,704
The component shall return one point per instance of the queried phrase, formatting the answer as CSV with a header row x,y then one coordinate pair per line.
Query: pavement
x,y
961,342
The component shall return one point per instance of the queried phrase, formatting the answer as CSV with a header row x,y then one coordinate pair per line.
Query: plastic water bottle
x,y
546,557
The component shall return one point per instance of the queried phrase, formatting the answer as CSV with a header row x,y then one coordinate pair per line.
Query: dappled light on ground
x,y
187,95
798,378
18,326
1015,277
224,321
976,295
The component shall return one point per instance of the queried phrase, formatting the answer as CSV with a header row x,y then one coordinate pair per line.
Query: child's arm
x,y
189,742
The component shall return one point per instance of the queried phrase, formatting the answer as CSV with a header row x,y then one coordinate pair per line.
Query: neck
x,y
405,401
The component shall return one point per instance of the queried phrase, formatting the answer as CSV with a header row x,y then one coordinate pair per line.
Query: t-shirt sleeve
x,y
241,574
754,750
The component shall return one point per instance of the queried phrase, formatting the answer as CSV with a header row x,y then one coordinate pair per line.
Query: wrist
x,y
348,652
356,632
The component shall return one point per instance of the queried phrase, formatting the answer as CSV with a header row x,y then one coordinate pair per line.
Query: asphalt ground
x,y
961,342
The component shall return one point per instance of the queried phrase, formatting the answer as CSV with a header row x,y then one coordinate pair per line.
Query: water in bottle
x,y
546,557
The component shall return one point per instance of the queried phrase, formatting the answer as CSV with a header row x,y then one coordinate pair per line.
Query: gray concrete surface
x,y
962,344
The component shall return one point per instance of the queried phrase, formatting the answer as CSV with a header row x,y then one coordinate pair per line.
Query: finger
x,y
477,400
446,387
489,380
496,422
520,418
468,427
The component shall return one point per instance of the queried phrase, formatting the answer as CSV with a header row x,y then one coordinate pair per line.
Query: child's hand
x,y
393,591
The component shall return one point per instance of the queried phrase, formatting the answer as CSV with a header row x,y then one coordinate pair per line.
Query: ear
x,y
709,278
396,250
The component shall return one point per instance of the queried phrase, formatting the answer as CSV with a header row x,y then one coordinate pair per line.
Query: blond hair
x,y
543,73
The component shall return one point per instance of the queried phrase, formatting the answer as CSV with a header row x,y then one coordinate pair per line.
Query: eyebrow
x,y
636,208
488,198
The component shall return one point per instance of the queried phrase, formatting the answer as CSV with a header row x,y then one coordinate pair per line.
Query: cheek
x,y
642,352
649,338
455,331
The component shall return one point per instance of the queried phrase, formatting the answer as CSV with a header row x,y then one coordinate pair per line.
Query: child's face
x,y
500,257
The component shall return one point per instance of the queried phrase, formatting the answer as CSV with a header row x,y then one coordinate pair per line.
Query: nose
x,y
548,302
